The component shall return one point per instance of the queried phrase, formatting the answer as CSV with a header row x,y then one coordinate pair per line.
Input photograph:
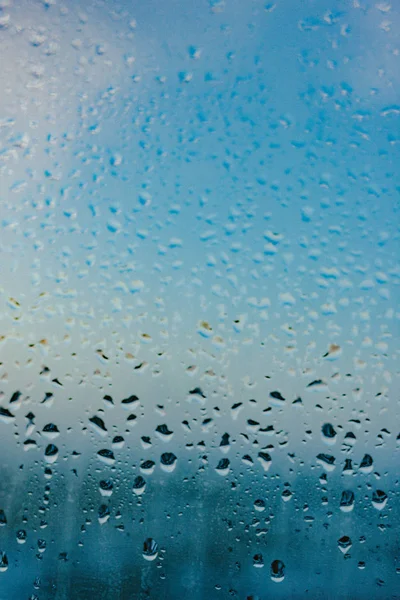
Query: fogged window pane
x,y
199,299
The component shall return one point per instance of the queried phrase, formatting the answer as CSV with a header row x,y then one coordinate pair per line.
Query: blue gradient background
x,y
164,164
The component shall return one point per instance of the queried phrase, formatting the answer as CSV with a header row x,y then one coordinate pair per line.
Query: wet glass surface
x,y
199,323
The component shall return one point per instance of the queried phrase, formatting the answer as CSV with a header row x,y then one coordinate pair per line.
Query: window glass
x,y
199,323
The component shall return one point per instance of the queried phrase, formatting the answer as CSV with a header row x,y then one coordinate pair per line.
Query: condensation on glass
x,y
199,324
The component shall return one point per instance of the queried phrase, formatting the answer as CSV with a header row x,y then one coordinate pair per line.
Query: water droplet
x,y
326,461
168,461
51,453
328,434
258,561
106,487
139,485
164,433
225,444
130,403
104,514
118,442
344,544
348,467
259,505
97,425
21,536
277,399
150,549
277,571
367,464
265,460
347,501
6,416
50,431
3,562
106,456
287,495
222,467
147,466
379,499
197,395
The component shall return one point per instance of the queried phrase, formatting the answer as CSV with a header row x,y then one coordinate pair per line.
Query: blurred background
x,y
199,323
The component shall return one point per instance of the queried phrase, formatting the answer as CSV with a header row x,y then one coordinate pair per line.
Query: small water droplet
x,y
168,462
3,562
106,456
51,453
222,467
259,505
150,549
344,544
258,561
21,536
347,501
277,571
328,434
106,487
379,499
139,485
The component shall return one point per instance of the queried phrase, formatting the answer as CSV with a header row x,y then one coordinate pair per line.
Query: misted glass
x,y
199,292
